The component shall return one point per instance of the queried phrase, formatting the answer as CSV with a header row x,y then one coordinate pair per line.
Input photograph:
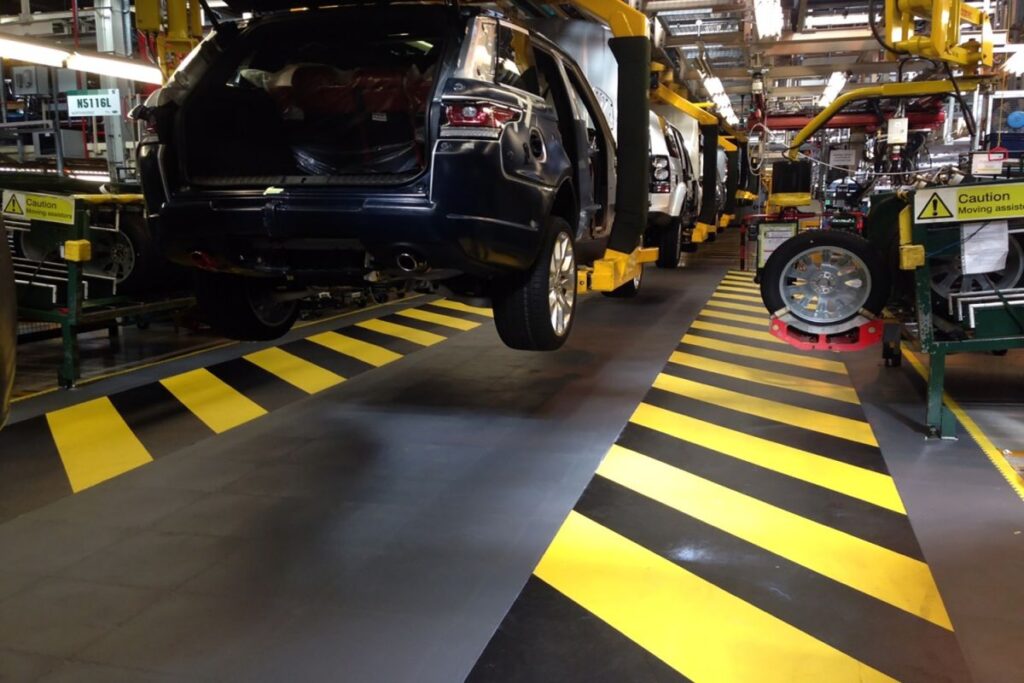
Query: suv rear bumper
x,y
460,226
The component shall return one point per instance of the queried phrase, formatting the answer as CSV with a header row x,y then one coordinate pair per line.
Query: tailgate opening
x,y
325,98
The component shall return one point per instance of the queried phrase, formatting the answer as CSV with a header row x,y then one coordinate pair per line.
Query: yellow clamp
x,y
78,250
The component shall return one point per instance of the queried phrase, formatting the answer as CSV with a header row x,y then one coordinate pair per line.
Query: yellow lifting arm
x,y
622,19
665,94
874,92
727,144
943,43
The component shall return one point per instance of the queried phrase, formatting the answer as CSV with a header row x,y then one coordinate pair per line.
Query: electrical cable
x,y
877,33
968,114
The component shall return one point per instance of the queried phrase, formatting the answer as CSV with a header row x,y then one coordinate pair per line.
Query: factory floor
x,y
392,495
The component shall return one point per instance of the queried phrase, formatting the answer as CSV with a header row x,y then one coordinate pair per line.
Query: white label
x,y
985,246
898,129
94,103
981,164
842,157
770,237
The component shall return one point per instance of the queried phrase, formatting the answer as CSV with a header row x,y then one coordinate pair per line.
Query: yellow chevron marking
x,y
95,443
796,359
402,332
218,405
298,372
857,482
698,629
772,379
371,354
804,418
465,308
438,319
889,576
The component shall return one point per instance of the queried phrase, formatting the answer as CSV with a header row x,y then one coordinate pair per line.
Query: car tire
x,y
851,245
628,290
535,310
670,242
242,308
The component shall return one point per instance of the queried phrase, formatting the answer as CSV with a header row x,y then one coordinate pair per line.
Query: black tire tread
x,y
880,277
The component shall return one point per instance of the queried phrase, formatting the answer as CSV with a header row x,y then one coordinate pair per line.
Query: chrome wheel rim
x,y
825,285
562,284
948,277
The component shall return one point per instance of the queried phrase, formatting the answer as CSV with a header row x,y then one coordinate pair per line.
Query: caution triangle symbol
x,y
13,206
934,208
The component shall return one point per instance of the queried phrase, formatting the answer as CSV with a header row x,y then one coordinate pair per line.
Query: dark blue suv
x,y
378,144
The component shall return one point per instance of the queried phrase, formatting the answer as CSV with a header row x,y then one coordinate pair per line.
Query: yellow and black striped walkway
x,y
743,527
75,447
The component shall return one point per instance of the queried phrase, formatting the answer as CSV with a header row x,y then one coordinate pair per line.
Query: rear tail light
x,y
478,119
660,175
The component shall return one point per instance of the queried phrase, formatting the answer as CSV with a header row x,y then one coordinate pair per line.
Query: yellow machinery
x,y
176,33
943,43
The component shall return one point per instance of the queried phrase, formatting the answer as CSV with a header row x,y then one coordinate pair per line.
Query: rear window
x,y
515,62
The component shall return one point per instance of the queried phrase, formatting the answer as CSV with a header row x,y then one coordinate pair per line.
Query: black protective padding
x,y
791,176
732,181
709,175
633,54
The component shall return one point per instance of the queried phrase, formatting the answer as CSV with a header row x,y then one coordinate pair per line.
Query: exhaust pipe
x,y
410,263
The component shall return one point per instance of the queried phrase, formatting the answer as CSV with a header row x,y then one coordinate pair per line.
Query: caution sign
x,y
989,201
934,207
39,207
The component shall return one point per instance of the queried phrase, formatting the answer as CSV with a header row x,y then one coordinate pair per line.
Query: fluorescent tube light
x,y
768,16
30,52
116,68
1014,64
835,85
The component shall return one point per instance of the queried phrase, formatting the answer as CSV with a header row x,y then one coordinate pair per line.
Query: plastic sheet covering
x,y
348,122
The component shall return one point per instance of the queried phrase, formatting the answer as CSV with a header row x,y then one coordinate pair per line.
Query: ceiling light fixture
x,y
116,68
835,85
768,16
1014,64
713,84
31,52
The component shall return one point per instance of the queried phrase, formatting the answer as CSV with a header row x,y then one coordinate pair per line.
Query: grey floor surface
x,y
380,531
376,532
969,522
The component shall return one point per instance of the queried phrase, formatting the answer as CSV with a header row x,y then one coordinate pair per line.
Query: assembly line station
x,y
594,341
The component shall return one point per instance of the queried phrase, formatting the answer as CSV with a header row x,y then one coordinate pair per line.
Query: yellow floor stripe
x,y
995,456
719,303
740,282
439,319
95,443
745,274
371,354
732,330
402,332
761,322
889,576
813,420
212,400
748,291
768,378
738,297
796,359
465,308
298,372
698,629
873,487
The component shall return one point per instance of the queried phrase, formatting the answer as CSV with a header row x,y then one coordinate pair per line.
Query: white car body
x,y
666,143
